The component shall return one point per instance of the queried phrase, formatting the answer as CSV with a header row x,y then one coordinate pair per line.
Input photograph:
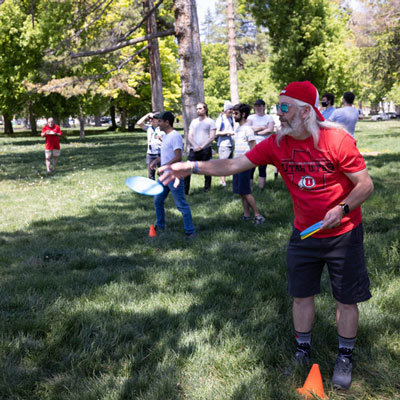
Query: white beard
x,y
294,129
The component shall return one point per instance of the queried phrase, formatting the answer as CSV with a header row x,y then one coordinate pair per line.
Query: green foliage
x,y
216,76
255,82
381,38
310,41
394,94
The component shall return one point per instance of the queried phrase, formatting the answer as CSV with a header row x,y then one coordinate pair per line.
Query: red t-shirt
x,y
315,178
52,141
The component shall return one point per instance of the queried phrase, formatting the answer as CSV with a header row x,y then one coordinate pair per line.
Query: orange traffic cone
x,y
313,385
152,231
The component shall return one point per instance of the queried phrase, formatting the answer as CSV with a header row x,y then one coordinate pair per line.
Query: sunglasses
x,y
284,107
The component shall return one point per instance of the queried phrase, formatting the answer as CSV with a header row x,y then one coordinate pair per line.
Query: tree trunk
x,y
81,123
232,52
32,122
191,67
123,120
97,121
113,126
8,128
157,98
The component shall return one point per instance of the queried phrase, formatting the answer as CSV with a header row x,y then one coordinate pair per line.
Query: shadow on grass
x,y
381,160
101,152
91,304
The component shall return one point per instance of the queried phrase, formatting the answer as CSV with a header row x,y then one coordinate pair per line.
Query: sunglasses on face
x,y
284,107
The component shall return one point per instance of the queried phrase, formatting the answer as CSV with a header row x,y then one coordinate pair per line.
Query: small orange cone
x,y
313,385
152,231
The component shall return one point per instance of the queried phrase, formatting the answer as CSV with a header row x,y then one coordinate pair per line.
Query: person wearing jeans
x,y
181,204
171,152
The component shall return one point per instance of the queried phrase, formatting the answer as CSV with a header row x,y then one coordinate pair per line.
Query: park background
x,y
81,61
90,306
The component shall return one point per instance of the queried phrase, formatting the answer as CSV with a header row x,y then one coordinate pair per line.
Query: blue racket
x,y
142,185
310,230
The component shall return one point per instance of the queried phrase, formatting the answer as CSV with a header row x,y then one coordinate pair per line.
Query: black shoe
x,y
159,229
303,354
190,235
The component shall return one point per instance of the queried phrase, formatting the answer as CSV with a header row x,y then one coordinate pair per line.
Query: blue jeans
x,y
180,202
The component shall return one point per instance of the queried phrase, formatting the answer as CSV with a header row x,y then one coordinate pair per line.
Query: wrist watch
x,y
345,208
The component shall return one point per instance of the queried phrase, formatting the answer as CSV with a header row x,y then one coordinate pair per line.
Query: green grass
x,y
92,308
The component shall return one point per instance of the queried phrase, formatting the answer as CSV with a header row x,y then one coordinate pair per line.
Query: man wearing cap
x,y
263,126
328,181
154,139
171,152
201,135
225,130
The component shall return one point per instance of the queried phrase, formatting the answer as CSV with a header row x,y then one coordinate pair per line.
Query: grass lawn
x,y
92,308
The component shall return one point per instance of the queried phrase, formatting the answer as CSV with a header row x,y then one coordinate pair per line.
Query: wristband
x,y
195,168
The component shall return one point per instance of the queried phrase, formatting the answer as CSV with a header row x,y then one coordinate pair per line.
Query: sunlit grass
x,y
92,308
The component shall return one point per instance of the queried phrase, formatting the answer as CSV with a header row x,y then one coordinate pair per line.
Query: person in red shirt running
x,y
328,181
52,133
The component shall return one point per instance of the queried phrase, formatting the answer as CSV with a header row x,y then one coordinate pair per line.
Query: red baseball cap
x,y
304,91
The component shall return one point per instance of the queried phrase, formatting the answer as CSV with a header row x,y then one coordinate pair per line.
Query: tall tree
x,y
191,68
232,52
157,99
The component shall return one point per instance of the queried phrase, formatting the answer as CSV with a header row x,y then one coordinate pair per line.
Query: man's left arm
x,y
265,130
363,188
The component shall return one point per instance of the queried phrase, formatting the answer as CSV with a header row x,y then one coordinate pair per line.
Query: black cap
x,y
259,102
166,116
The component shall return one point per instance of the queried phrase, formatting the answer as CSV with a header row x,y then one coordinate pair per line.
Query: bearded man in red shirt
x,y
52,133
328,181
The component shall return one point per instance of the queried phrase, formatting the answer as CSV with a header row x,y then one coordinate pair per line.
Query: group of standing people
x,y
236,132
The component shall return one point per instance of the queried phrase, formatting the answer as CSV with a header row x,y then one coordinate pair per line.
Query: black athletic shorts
x,y
344,255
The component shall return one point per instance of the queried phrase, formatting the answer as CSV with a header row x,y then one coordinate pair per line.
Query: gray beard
x,y
293,129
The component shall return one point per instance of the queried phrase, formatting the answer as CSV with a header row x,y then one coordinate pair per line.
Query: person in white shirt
x,y
245,140
263,127
154,138
225,130
201,135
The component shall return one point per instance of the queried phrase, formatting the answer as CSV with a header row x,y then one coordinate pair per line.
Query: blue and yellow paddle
x,y
310,230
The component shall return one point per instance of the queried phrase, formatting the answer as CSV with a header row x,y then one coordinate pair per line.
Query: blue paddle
x,y
310,230
142,185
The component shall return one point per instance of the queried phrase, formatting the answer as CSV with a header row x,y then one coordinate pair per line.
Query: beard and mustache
x,y
292,128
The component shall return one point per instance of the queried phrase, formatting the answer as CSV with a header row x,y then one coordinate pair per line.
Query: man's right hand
x,y
176,171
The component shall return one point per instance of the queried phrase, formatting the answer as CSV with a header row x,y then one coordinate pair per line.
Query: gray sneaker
x,y
259,219
341,378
